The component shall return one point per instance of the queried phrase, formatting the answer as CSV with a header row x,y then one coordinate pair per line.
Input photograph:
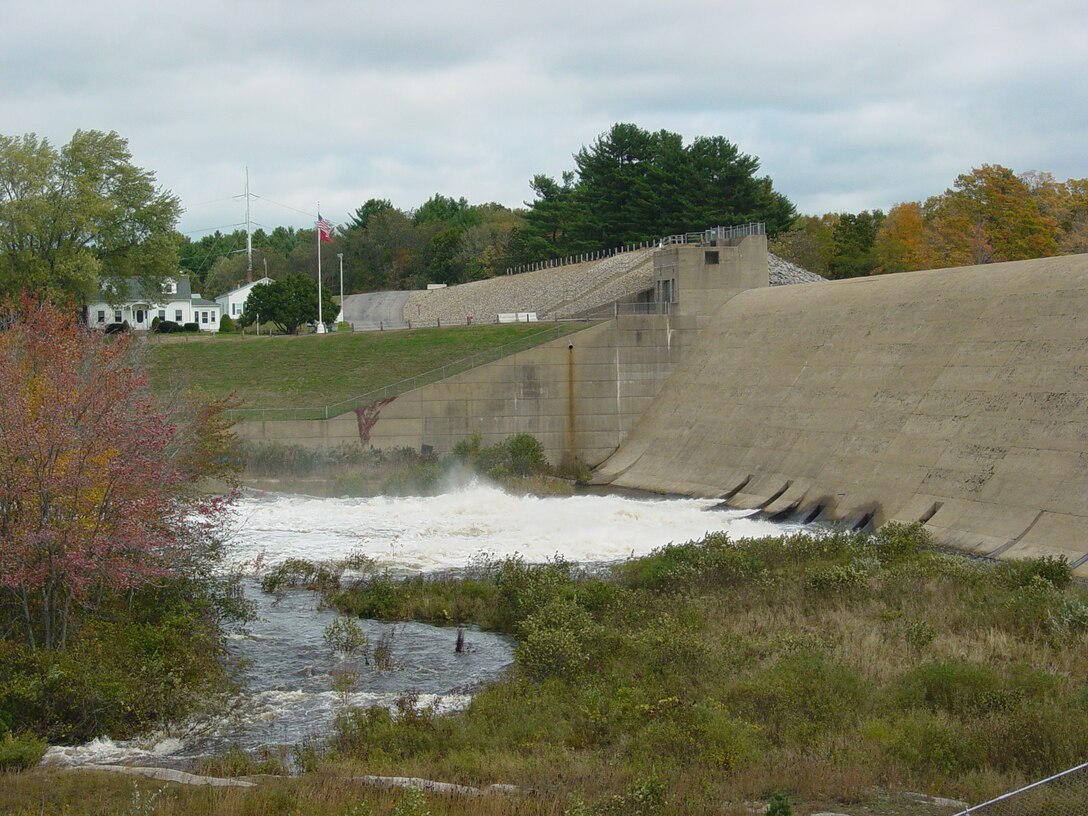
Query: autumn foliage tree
x,y
989,215
97,482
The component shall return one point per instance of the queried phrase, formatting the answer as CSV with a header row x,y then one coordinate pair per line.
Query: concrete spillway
x,y
957,397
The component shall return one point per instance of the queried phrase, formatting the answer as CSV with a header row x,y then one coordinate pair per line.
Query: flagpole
x,y
320,322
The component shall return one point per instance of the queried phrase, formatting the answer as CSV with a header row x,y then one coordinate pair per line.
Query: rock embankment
x,y
784,273
563,291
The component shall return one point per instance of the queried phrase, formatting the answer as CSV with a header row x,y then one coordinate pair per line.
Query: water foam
x,y
424,534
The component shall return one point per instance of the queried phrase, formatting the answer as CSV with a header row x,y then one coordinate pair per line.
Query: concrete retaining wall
x,y
957,397
578,395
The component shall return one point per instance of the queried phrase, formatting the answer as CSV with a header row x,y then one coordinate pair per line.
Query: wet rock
x,y
169,775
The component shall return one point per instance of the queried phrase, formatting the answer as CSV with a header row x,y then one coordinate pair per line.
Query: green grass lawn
x,y
312,371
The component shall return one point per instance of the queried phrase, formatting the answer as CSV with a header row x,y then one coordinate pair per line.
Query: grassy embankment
x,y
312,371
836,668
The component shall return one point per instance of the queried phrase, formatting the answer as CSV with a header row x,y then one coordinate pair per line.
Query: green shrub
x,y
841,580
412,803
293,573
896,541
553,641
919,633
377,597
955,687
1021,573
799,697
518,455
779,805
715,561
374,733
525,588
933,745
1039,609
643,798
152,659
667,645
236,761
1035,739
227,325
346,636
19,753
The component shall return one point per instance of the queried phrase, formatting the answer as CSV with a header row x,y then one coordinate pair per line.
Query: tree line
x,y
72,215
990,214
628,186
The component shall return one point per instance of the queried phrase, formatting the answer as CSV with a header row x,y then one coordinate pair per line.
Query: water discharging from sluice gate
x,y
290,673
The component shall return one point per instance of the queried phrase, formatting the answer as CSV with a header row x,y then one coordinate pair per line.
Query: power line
x,y
209,229
285,206
212,201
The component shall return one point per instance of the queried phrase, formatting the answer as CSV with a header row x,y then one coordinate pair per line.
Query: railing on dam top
x,y
419,380
716,234
719,234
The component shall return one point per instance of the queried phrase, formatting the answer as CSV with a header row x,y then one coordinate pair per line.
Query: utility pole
x,y
249,236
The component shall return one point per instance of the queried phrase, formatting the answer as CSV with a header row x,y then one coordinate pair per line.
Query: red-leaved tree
x,y
96,480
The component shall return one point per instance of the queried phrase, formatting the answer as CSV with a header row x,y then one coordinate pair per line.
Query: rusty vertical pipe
x,y
572,445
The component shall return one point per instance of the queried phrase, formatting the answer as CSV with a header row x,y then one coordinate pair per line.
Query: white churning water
x,y
426,534
289,692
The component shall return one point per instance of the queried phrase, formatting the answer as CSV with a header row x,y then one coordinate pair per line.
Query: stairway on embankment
x,y
557,292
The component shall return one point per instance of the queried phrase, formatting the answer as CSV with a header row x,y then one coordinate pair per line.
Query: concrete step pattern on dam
x,y
955,397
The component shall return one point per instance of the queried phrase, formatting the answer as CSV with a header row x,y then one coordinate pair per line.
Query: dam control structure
x,y
957,397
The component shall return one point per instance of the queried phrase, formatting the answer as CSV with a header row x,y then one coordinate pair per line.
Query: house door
x,y
139,317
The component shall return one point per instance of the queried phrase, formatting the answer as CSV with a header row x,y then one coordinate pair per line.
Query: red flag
x,y
324,229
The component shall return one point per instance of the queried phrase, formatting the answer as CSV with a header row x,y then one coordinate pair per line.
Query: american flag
x,y
324,229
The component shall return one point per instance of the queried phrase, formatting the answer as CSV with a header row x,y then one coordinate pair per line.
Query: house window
x,y
203,317
162,314
101,315
710,256
177,316
116,315
234,308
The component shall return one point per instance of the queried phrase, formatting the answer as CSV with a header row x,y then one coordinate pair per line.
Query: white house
x,y
175,302
233,303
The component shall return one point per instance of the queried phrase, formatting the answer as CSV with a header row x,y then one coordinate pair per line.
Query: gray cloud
x,y
855,106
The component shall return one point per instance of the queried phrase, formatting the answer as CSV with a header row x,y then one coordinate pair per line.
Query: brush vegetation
x,y
518,463
819,669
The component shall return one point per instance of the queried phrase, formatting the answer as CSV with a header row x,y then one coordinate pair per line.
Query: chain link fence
x,y
1064,794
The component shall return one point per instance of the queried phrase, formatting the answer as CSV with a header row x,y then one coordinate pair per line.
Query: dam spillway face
x,y
955,397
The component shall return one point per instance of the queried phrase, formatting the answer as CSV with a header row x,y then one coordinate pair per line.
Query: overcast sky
x,y
848,105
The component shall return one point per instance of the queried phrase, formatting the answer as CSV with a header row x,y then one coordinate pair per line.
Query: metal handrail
x,y
1021,791
704,237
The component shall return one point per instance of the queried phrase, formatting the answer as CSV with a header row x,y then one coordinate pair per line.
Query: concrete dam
x,y
957,397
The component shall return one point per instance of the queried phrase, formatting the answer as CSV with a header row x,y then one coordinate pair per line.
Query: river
x,y
288,670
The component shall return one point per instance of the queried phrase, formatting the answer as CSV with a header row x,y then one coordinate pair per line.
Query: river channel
x,y
289,673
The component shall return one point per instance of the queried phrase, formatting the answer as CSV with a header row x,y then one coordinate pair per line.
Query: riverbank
x,y
707,676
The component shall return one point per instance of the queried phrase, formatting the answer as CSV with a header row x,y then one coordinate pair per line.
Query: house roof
x,y
244,286
135,290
